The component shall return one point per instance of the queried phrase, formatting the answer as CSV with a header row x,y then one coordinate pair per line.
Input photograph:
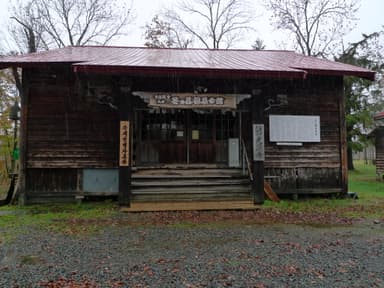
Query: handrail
x,y
247,160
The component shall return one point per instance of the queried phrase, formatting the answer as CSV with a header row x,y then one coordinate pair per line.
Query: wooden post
x,y
21,190
343,142
125,132
258,146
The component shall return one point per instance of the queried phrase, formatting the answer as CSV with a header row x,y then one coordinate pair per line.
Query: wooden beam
x,y
258,146
125,136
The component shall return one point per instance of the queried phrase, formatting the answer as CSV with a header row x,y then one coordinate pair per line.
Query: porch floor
x,y
189,205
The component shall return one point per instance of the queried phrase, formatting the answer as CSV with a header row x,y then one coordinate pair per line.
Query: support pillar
x,y
343,143
258,146
125,136
21,188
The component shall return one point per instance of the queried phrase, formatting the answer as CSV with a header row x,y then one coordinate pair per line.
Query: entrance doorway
x,y
184,136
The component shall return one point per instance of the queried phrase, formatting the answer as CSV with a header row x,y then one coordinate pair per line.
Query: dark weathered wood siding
x,y
380,151
313,165
69,129
66,129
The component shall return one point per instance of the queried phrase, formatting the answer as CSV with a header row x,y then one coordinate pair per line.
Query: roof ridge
x,y
177,48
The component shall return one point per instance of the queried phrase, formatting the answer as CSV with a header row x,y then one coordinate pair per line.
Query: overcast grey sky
x,y
371,19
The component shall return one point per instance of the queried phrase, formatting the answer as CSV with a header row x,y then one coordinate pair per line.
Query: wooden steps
x,y
187,206
187,172
187,182
211,184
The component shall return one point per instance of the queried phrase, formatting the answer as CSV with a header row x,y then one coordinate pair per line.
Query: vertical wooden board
x,y
124,159
123,88
270,193
258,146
343,140
23,137
258,142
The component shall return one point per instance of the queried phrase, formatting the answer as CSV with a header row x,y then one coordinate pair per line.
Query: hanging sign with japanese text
x,y
124,143
190,100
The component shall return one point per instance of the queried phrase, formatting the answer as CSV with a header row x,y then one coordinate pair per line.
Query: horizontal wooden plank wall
x,y
66,128
313,165
380,152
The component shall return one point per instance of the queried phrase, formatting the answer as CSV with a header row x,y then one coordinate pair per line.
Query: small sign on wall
x,y
195,135
258,142
124,143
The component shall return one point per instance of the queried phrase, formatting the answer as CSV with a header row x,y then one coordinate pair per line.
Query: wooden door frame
x,y
187,132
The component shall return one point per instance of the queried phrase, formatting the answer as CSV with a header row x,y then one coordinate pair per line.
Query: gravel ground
x,y
274,255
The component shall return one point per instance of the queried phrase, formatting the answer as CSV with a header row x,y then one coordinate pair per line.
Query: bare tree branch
x,y
212,22
59,23
316,25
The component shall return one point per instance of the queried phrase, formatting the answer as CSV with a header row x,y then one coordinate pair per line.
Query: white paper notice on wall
x,y
294,128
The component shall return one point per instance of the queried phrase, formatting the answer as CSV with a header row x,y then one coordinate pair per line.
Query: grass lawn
x,y
92,217
362,180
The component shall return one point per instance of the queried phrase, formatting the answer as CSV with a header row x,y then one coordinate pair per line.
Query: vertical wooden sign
x,y
258,142
124,144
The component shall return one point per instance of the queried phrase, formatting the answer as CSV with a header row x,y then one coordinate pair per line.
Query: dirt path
x,y
197,250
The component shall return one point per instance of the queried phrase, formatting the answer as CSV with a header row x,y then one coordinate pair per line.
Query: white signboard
x,y
294,128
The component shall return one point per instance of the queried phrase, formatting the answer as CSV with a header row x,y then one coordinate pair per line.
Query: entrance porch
x,y
188,137
200,136
188,155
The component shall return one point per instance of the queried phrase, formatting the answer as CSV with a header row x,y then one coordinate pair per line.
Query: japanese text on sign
x,y
190,100
124,143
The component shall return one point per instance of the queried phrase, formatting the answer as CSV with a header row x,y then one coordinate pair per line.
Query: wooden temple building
x,y
180,125
379,140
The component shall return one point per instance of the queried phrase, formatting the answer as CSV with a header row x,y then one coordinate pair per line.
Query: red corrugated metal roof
x,y
234,62
379,115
